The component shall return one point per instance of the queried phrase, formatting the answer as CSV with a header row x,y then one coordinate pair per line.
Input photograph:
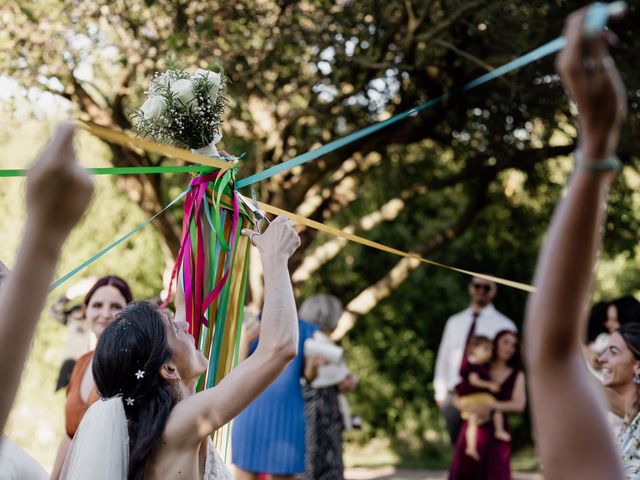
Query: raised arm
x,y
197,417
568,411
58,192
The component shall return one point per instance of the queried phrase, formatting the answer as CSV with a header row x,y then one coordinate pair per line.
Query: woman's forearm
x,y
563,275
566,407
58,192
279,329
310,371
21,300
476,381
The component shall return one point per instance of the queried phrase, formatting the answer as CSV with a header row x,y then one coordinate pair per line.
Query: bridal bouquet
x,y
184,110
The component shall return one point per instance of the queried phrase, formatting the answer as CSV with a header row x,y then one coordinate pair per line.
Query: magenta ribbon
x,y
193,262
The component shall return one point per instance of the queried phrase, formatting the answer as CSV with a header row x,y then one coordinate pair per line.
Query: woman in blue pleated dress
x,y
269,435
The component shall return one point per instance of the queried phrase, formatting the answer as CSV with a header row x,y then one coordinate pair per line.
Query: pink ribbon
x,y
193,263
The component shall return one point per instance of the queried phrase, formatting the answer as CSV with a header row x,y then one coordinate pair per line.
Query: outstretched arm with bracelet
x,y
568,409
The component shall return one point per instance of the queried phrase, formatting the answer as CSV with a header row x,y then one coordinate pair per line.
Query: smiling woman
x,y
621,379
106,298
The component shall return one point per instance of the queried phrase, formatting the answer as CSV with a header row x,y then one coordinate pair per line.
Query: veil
x,y
100,447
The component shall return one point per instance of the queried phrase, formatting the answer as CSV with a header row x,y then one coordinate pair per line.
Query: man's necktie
x,y
472,331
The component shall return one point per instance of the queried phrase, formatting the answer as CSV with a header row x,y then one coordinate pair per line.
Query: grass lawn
x,y
381,454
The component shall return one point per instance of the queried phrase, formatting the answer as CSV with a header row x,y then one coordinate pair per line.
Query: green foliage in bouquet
x,y
182,109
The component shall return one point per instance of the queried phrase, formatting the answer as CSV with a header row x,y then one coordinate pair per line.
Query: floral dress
x,y
628,445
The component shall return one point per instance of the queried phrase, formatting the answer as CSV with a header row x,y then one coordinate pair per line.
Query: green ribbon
x,y
125,170
219,187
105,250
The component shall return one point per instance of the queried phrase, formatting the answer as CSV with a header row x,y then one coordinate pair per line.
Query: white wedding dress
x,y
214,468
100,448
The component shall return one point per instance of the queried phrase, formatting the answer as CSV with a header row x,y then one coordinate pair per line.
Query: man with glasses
x,y
481,318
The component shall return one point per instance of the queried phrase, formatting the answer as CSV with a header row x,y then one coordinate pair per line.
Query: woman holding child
x,y
491,459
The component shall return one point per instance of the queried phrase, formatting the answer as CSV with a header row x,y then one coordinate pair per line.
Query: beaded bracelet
x,y
610,164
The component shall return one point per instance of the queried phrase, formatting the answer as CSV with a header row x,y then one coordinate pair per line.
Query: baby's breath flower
x,y
182,109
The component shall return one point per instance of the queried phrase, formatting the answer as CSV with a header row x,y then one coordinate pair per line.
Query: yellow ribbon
x,y
363,241
120,138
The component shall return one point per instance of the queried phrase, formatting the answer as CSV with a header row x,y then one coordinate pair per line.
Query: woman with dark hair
x,y
495,454
104,300
621,311
604,319
621,379
150,424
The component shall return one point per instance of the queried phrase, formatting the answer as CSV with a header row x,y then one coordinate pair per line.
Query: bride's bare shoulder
x,y
171,460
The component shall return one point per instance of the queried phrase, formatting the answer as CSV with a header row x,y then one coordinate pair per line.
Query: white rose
x,y
183,91
153,107
163,80
215,79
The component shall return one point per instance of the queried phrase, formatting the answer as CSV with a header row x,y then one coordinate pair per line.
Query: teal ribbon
x,y
105,250
536,54
597,17
540,52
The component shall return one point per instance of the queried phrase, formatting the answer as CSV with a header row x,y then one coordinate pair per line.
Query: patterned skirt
x,y
323,458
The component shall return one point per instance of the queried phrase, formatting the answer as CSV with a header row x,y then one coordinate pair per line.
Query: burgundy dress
x,y
495,455
464,387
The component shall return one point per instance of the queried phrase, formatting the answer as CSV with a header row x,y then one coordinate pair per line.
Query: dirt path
x,y
389,473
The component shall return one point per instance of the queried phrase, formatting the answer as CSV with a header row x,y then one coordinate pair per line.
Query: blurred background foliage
x,y
37,421
470,183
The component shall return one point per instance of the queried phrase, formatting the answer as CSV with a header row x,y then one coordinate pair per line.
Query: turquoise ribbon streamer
x,y
519,62
80,267
540,52
597,15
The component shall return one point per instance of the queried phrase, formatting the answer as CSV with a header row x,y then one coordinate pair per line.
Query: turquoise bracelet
x,y
610,164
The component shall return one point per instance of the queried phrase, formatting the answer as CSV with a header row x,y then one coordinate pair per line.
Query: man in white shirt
x,y
481,318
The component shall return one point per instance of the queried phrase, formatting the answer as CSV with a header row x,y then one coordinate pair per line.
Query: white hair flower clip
x,y
140,374
129,401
